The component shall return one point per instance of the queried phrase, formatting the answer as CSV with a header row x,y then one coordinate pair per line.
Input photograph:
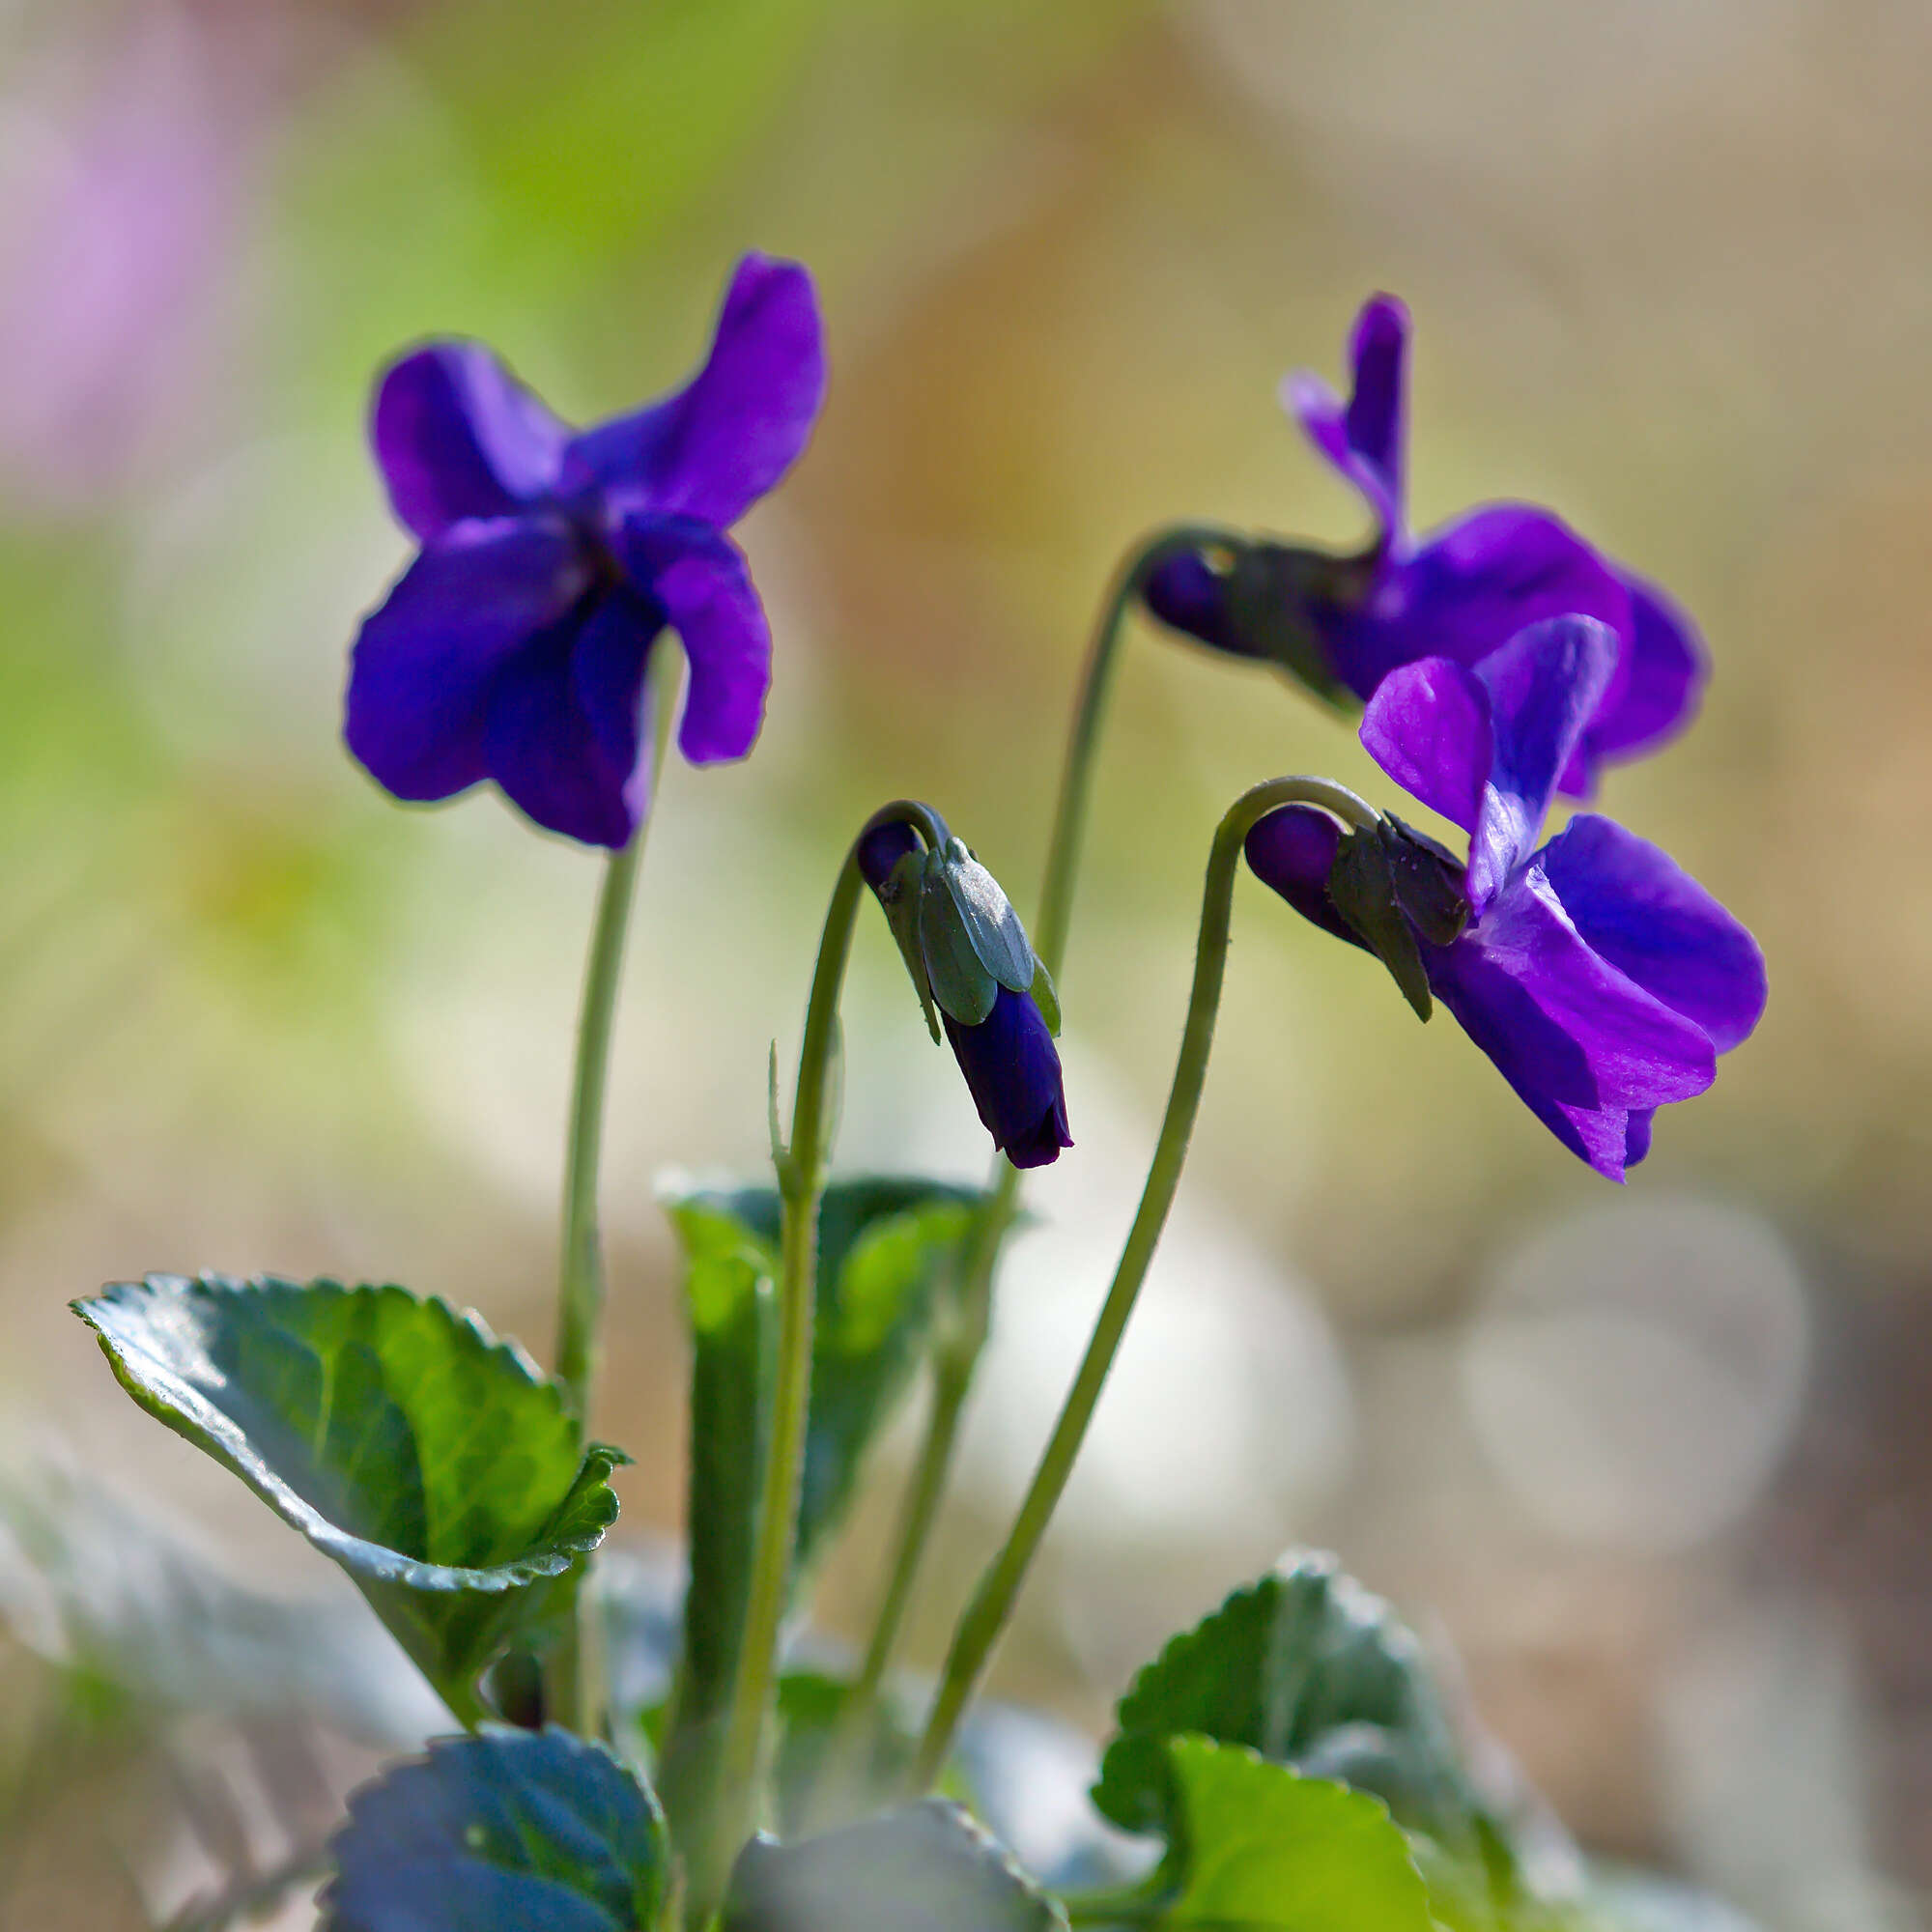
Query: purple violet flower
x,y
514,647
1600,977
1459,592
1009,1061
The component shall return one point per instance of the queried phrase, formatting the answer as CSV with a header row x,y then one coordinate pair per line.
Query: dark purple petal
x,y
1584,1044
457,436
1465,592
718,445
565,738
1293,851
1636,907
425,663
1667,670
701,581
880,850
1188,595
1637,1134
1012,1071
1364,440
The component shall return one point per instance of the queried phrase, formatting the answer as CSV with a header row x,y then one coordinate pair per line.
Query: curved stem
x,y
1082,738
954,1369
985,1615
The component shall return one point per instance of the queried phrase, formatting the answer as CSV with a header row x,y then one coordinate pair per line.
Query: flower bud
x,y
969,958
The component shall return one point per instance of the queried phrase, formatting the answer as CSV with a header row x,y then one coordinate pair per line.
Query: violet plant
x,y
1289,1763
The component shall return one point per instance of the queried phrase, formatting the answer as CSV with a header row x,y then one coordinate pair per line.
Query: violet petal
x,y
457,436
1012,1071
425,662
1636,907
566,737
1582,1045
719,444
1668,667
1363,439
701,581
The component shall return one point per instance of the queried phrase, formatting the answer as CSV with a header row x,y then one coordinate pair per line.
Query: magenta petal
x,y
457,436
719,444
425,663
1638,908
1583,1045
566,734
701,581
1428,727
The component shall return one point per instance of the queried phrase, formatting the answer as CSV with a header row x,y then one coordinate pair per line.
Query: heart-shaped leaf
x,y
926,1867
1309,1669
884,1244
429,1459
502,1832
1266,1849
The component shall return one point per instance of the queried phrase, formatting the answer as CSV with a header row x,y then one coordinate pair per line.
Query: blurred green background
x,y
1656,1462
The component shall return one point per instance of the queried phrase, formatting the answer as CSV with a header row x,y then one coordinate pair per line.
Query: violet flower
x,y
514,647
1602,980
1459,592
1009,1058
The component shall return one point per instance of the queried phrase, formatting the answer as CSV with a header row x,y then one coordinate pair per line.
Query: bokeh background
x,y
1656,1463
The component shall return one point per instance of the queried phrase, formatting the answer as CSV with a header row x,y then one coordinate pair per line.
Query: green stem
x,y
985,1615
959,1360
575,1670
581,1293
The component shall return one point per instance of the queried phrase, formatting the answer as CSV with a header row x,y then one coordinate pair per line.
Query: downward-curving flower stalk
x,y
1601,978
514,647
1343,623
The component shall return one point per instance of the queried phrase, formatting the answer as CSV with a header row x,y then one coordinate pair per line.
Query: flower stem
x,y
985,1615
574,1669
958,1357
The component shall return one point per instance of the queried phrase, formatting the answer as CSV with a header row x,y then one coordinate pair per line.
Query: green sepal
x,y
1428,880
925,1865
430,1460
971,936
1362,888
1260,1846
900,898
1046,997
1269,588
500,1832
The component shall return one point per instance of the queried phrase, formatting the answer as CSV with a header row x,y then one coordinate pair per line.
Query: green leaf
x,y
1267,1850
502,1832
884,1246
429,1459
926,1867
1309,1669
986,916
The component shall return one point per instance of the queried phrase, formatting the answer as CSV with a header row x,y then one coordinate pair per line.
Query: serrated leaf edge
x,y
221,1436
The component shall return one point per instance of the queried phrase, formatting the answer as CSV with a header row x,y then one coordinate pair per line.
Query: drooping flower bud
x,y
973,968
